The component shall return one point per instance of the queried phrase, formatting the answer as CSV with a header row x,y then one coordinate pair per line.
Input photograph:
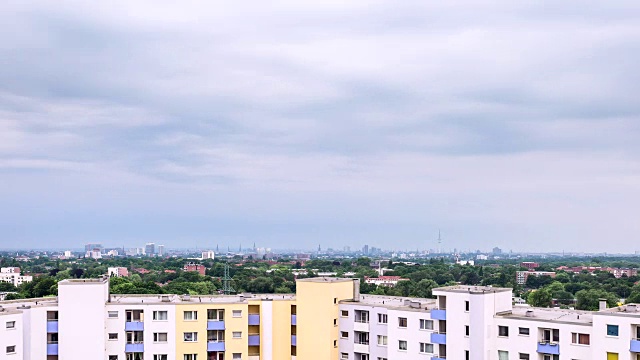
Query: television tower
x,y
439,242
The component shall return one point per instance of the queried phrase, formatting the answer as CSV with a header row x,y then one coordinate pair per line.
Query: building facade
x,y
326,320
12,275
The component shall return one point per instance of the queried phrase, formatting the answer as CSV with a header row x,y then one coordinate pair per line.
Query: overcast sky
x,y
291,123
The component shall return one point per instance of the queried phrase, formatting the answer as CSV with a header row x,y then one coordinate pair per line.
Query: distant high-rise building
x,y
209,254
150,249
92,246
160,250
365,249
497,251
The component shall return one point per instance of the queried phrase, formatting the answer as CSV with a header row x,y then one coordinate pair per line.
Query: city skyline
x,y
504,124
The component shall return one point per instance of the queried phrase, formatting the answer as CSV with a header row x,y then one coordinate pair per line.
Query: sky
x,y
342,123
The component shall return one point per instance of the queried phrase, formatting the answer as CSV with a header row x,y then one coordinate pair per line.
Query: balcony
x,y
52,349
361,348
254,340
215,346
52,326
134,348
294,340
438,338
254,319
253,357
635,346
437,314
548,348
215,325
361,326
294,319
134,326
438,357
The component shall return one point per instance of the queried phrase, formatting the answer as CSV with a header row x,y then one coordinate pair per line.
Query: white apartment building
x,y
12,275
463,322
209,254
480,323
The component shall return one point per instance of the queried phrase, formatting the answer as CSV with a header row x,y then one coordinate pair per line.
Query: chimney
x,y
529,313
603,304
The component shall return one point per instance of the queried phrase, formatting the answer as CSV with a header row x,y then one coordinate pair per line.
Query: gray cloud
x,y
510,124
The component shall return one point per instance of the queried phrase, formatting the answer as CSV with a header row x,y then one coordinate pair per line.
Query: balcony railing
x,y
439,337
134,347
294,319
439,314
254,319
254,340
134,326
545,347
635,345
215,325
52,326
362,342
52,349
294,340
215,346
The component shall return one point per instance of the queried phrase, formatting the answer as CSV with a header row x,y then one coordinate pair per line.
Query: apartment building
x,y
522,276
12,275
326,320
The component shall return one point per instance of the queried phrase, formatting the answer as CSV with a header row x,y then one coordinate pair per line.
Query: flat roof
x,y
84,281
394,302
325,280
523,312
473,289
632,310
182,299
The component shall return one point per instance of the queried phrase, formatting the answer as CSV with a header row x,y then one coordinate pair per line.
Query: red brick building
x,y
195,267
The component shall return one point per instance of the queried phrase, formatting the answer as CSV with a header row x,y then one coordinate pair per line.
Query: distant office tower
x,y
497,251
92,246
209,254
150,249
365,249
160,250
68,254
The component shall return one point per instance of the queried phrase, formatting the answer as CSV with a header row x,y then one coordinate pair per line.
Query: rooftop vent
x,y
632,308
415,305
186,297
407,302
529,313
24,307
165,298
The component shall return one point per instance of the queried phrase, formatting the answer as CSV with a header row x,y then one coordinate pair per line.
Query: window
x,y
344,334
344,356
382,340
335,322
335,300
344,313
11,325
381,358
581,339
382,318
133,356
236,313
159,337
612,356
112,314
190,357
237,356
113,336
551,357
503,331
522,356
361,338
237,334
113,357
426,324
426,348
11,349
362,356
160,315
466,306
215,314
335,343
466,355
466,330
503,355
550,335
523,331
160,357
402,345
612,330
402,322
191,336
190,315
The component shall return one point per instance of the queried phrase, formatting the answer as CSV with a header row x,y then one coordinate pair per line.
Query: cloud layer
x,y
295,123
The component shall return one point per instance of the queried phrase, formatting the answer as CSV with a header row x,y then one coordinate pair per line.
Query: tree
x,y
590,299
540,298
5,286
